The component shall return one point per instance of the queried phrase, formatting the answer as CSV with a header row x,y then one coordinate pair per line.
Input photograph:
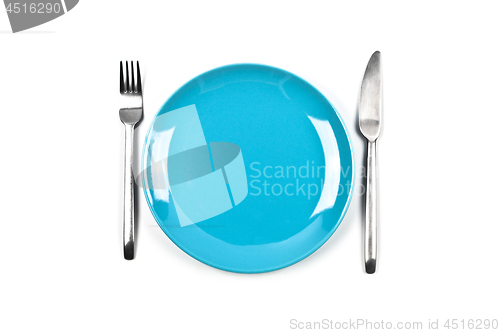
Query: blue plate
x,y
248,168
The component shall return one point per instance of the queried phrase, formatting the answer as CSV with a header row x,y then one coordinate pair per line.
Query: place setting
x,y
248,168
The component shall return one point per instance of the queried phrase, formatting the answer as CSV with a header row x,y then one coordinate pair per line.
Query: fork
x,y
130,115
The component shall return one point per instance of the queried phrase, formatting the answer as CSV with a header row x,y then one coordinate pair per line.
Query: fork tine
x,y
133,86
122,87
139,83
127,85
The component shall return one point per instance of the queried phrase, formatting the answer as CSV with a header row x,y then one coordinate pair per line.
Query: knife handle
x,y
371,213
128,204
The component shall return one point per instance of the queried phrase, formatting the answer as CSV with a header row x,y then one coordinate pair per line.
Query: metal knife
x,y
370,109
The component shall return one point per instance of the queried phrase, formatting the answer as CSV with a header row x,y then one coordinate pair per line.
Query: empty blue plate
x,y
248,168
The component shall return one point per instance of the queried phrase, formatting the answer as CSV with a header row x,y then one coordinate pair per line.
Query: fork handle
x,y
128,206
371,213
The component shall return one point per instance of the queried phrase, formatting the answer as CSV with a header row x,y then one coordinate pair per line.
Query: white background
x,y
61,260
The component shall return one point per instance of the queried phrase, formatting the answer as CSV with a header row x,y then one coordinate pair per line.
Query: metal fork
x,y
130,115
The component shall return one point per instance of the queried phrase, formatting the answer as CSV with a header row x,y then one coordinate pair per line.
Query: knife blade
x,y
370,120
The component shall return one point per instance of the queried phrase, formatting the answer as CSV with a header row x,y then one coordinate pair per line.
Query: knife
x,y
370,109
